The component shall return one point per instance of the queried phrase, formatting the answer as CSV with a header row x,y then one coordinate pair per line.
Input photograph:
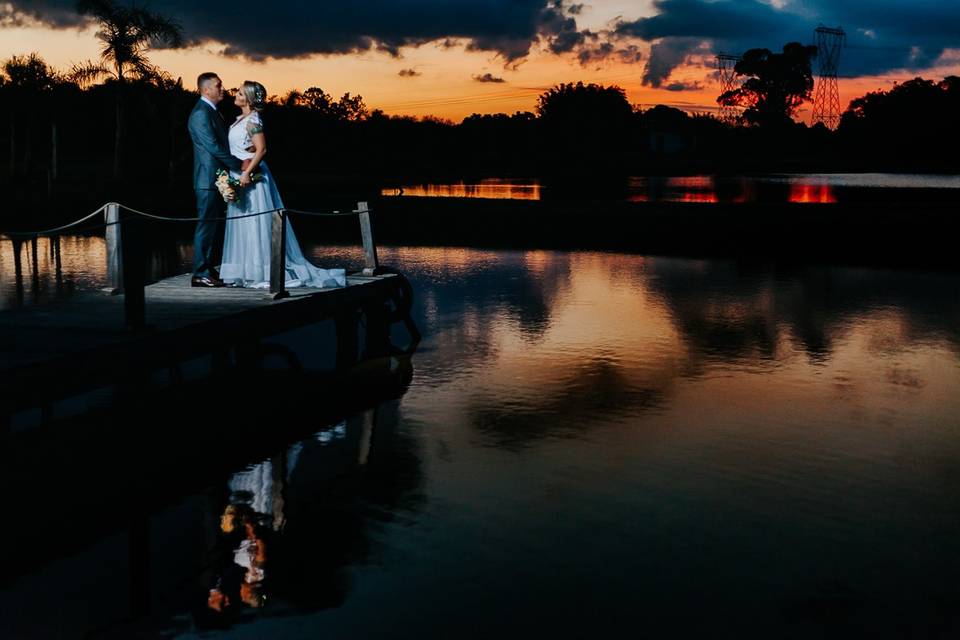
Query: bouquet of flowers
x,y
229,187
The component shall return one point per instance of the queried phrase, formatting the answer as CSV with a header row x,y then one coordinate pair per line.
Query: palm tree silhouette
x,y
126,34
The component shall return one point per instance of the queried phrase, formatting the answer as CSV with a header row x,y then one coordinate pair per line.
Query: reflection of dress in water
x,y
255,563
255,486
246,241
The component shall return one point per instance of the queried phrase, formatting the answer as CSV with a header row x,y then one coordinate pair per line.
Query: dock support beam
x,y
377,338
126,264
347,336
371,264
278,255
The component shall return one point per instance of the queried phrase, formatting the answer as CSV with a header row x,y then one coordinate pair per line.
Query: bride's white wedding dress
x,y
246,241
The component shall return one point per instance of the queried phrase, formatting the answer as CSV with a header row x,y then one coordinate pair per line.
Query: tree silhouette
x,y
28,79
914,122
583,118
348,108
316,99
579,104
777,84
906,101
126,34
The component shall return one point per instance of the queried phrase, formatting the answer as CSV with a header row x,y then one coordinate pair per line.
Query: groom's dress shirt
x,y
209,102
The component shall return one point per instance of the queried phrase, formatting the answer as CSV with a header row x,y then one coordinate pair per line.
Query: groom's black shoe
x,y
205,281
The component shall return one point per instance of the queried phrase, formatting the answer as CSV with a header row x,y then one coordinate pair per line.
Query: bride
x,y
246,242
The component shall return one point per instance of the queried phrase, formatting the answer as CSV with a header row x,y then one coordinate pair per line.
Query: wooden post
x,y
371,264
346,324
138,553
366,436
53,150
125,265
18,267
57,262
377,338
35,280
278,473
13,148
114,250
278,255
133,264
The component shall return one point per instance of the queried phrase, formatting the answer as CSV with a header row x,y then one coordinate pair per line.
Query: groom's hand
x,y
244,164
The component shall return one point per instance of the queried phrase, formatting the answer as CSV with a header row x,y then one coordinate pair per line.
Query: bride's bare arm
x,y
259,150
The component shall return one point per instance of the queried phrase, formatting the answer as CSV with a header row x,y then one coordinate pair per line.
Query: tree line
x,y
118,126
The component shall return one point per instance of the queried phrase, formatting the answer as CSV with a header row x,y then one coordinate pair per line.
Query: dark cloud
x,y
59,14
257,30
488,77
883,35
409,73
683,86
560,30
667,54
589,54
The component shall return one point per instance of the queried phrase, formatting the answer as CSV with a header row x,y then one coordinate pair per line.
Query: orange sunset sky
x,y
440,76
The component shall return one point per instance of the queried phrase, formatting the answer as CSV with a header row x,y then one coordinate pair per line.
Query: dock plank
x,y
83,339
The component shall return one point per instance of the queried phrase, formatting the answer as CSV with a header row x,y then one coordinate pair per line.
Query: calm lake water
x,y
797,188
591,443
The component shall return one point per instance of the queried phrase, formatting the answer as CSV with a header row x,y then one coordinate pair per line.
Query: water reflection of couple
x,y
241,580
250,520
250,525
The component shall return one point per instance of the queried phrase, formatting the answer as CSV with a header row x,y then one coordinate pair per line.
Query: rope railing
x,y
56,230
125,247
152,216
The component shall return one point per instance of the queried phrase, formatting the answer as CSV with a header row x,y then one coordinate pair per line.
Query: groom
x,y
211,151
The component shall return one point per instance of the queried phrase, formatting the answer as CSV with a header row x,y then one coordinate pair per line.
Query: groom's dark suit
x,y
211,151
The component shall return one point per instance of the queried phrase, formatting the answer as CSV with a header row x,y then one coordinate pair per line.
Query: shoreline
x,y
905,233
902,234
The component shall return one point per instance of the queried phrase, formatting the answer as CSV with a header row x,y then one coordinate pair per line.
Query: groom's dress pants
x,y
207,242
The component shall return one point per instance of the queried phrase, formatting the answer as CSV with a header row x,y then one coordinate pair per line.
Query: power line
x,y
489,97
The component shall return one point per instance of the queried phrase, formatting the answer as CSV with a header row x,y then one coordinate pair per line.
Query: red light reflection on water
x,y
704,189
696,196
488,188
675,189
811,193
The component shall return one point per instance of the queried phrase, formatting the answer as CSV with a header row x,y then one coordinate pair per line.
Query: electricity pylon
x,y
826,98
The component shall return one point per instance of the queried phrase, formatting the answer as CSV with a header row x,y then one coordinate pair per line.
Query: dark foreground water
x,y
591,444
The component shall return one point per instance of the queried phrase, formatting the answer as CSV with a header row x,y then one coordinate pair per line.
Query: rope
x,y
173,219
151,216
248,215
30,234
331,214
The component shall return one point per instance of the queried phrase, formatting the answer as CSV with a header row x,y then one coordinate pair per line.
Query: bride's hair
x,y
256,94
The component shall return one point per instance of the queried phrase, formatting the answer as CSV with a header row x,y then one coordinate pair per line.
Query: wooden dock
x,y
123,337
51,352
